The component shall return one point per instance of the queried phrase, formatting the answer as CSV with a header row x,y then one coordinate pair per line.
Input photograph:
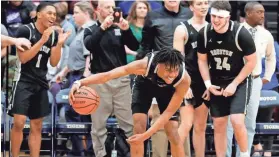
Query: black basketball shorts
x,y
144,91
198,88
29,99
221,106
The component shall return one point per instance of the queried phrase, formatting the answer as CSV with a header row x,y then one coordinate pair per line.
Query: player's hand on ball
x,y
22,44
74,89
206,95
216,90
230,90
136,139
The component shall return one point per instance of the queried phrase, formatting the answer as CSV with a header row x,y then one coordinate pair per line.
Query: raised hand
x,y
62,37
46,34
107,22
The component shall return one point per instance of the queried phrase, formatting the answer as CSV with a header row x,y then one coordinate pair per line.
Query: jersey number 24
x,y
220,65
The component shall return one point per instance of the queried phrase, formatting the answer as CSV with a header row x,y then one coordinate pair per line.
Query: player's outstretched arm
x,y
137,67
18,42
173,106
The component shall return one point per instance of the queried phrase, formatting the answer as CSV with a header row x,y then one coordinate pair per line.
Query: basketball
x,y
86,101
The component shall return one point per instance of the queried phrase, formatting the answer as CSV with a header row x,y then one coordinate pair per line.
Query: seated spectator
x,y
16,13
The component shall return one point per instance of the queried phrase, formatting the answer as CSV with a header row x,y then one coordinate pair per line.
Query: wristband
x,y
207,83
78,83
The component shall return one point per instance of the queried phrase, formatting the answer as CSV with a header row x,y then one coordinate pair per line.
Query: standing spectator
x,y
136,16
138,12
229,50
106,42
62,11
127,5
265,114
77,68
158,33
264,42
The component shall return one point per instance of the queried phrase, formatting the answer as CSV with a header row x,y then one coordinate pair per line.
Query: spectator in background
x,y
126,5
77,68
16,13
265,114
106,41
137,14
62,11
254,19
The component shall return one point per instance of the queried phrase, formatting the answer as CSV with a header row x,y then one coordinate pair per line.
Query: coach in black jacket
x,y
105,41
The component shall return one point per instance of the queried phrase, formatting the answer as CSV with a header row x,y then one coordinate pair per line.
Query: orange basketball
x,y
86,101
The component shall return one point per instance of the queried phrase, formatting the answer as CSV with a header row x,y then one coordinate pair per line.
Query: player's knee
x,y
237,122
139,127
219,127
173,136
18,125
36,127
200,128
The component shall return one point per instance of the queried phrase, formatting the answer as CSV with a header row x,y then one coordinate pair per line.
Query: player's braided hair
x,y
170,57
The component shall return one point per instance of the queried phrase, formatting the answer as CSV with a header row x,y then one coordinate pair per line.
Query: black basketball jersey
x,y
151,73
35,70
225,51
190,49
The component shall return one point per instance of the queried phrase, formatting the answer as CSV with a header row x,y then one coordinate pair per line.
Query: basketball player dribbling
x,y
30,97
228,48
160,74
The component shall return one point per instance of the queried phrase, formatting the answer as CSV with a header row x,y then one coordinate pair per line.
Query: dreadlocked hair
x,y
170,57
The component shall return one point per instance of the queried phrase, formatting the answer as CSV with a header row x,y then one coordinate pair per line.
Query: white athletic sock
x,y
244,154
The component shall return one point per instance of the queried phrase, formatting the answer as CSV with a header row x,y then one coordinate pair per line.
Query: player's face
x,y
47,16
141,10
171,3
219,22
200,8
79,16
257,14
167,73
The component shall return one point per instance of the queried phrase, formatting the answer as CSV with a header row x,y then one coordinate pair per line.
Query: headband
x,y
219,12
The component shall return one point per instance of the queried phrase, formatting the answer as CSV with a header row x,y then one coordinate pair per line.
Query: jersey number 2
x,y
39,61
222,64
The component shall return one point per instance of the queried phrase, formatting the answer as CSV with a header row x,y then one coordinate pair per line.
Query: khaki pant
x,y
115,98
160,139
